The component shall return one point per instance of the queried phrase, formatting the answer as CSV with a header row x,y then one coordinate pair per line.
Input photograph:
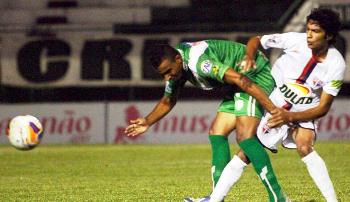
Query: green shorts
x,y
242,104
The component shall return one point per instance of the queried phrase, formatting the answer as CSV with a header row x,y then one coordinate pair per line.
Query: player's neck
x,y
320,54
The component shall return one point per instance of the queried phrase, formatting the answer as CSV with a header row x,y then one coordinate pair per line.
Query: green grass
x,y
152,173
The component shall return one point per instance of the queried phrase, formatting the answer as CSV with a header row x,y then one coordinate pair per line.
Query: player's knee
x,y
213,131
243,157
304,150
244,132
242,135
239,138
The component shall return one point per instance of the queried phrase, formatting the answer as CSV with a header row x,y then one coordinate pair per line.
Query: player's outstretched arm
x,y
235,78
140,125
136,127
284,116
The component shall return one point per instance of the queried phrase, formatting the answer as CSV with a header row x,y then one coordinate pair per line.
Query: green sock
x,y
262,165
220,155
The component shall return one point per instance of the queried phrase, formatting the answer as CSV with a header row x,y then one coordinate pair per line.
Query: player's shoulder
x,y
335,53
336,58
289,35
285,40
193,49
223,42
182,46
296,37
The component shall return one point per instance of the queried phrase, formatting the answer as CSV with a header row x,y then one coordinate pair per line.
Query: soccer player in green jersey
x,y
214,63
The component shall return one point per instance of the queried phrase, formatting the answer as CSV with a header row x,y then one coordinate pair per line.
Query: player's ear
x,y
178,58
329,37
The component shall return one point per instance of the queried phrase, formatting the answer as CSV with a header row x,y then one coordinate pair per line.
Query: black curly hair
x,y
159,52
328,20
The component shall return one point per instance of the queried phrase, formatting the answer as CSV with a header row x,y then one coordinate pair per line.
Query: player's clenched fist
x,y
246,64
136,127
279,116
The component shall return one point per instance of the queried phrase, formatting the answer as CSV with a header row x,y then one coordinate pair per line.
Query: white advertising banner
x,y
336,124
62,123
188,123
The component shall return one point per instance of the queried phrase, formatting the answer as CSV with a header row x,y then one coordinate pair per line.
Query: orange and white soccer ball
x,y
25,132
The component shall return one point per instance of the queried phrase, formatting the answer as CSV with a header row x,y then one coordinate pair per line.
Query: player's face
x,y
317,38
171,69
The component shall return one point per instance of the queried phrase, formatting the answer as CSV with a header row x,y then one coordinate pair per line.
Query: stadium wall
x,y
98,66
97,123
96,58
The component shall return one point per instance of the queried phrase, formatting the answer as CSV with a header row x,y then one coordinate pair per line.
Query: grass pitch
x,y
152,173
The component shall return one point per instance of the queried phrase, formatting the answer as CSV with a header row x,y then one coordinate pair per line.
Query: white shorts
x,y
270,137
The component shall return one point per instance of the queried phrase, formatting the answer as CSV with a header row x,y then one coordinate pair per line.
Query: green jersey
x,y
205,63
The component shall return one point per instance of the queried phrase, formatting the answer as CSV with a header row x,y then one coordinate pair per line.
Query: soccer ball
x,y
25,132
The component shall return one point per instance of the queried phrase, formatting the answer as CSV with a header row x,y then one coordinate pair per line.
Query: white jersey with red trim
x,y
299,77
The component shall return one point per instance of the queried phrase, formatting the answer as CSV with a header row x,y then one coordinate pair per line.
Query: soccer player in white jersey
x,y
308,76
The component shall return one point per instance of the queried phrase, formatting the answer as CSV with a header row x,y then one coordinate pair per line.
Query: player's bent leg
x,y
242,156
220,155
314,163
262,165
248,142
222,126
304,139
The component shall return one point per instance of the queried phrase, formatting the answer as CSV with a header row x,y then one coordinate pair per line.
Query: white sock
x,y
318,171
230,175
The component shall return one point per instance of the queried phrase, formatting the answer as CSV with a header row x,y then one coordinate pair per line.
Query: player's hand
x,y
279,116
136,127
246,64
